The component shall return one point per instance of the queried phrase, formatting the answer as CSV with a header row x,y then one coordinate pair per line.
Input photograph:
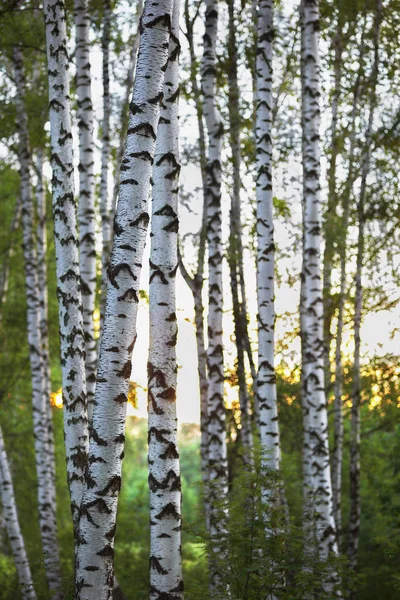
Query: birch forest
x,y
199,299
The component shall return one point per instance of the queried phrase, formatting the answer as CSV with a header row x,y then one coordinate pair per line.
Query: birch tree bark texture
x,y
266,382
217,451
39,376
98,511
315,409
105,200
72,336
86,206
13,528
164,470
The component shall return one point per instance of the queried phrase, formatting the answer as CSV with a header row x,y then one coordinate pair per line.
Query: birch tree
x,y
95,569
86,206
164,470
72,336
40,400
355,505
315,409
266,381
217,451
13,528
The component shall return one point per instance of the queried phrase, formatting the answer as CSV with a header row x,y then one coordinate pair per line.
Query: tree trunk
x,y
105,201
5,271
355,505
164,470
266,383
13,528
44,461
67,257
99,507
338,436
217,450
124,118
235,255
86,206
315,408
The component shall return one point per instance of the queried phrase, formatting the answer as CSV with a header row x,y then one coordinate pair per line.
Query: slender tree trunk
x,y
13,528
105,201
217,450
355,504
99,507
235,238
196,283
332,202
67,257
266,383
41,241
44,462
86,207
315,408
164,470
337,452
124,118
5,271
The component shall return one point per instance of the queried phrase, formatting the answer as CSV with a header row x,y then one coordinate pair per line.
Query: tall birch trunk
x,y
44,462
95,565
266,382
217,450
124,118
105,200
196,282
164,470
13,528
355,504
41,242
235,238
86,206
72,336
315,408
338,436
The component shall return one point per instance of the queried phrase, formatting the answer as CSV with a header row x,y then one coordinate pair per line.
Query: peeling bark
x,y
95,564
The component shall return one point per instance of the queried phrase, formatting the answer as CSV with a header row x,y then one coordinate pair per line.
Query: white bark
x,y
316,419
266,382
105,200
44,460
99,506
164,470
86,205
13,528
217,451
67,257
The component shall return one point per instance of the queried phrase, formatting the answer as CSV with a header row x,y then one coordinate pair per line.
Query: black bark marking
x,y
112,273
144,129
168,394
126,370
129,295
142,218
121,398
168,511
155,564
170,452
96,438
159,434
113,487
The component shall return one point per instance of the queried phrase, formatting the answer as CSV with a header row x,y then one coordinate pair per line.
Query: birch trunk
x,y
266,382
164,470
355,505
196,283
41,242
315,409
105,200
216,427
72,335
98,512
86,206
45,475
337,452
235,239
124,118
13,528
